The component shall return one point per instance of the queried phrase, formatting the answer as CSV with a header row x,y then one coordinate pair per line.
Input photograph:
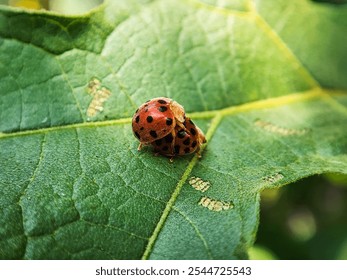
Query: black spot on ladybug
x,y
142,128
137,135
186,142
162,108
165,148
149,119
158,142
169,138
153,134
137,119
161,101
194,144
181,134
168,121
193,131
186,150
177,149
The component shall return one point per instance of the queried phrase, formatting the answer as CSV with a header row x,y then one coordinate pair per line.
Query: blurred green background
x,y
82,6
59,6
304,220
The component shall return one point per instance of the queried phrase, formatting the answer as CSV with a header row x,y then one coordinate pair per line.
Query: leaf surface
x,y
72,183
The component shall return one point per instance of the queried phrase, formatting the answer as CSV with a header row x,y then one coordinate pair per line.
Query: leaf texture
x,y
72,183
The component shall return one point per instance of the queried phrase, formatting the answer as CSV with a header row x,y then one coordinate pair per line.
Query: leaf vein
x,y
196,229
214,124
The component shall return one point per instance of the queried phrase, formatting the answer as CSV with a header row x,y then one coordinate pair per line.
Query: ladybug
x,y
156,119
181,141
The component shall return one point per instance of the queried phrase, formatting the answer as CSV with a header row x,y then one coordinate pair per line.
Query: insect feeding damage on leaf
x,y
279,130
274,178
100,95
207,202
199,184
215,205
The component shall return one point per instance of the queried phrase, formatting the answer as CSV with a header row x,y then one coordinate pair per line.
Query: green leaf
x,y
254,77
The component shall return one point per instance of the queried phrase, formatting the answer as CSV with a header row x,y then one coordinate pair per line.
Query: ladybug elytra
x,y
162,123
181,141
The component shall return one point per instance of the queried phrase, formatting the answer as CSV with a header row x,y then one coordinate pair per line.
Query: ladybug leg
x,y
139,147
198,153
173,133
181,125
